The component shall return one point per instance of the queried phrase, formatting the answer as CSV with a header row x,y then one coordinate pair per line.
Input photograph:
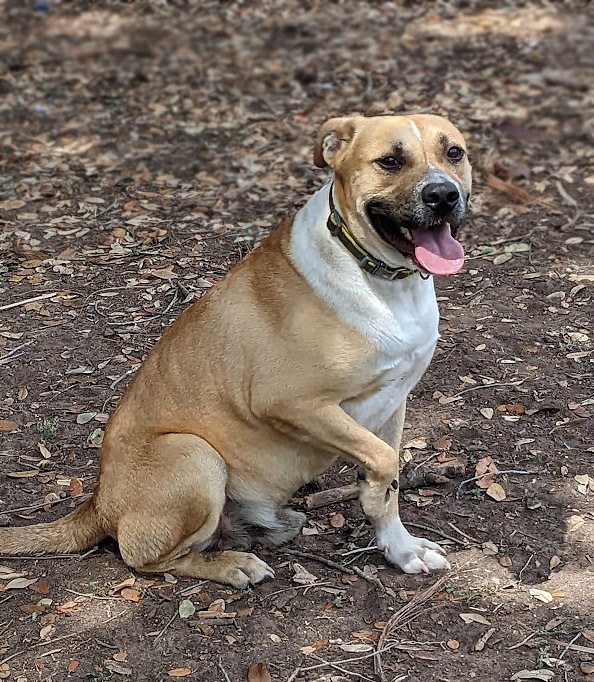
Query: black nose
x,y
441,197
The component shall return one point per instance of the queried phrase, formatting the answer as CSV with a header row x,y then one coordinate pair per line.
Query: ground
x,y
145,147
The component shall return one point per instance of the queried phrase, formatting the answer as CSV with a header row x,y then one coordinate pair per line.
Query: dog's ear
x,y
333,136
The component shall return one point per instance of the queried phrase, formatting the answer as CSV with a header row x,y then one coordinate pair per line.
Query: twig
x,y
350,660
404,615
13,351
94,596
515,472
41,297
524,567
332,496
481,386
58,639
222,669
127,373
573,647
333,564
41,505
462,533
437,532
524,641
294,675
342,670
167,624
568,647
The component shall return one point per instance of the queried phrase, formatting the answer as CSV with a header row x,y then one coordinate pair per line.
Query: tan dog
x,y
304,353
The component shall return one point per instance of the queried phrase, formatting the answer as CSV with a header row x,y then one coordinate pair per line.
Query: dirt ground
x,y
144,148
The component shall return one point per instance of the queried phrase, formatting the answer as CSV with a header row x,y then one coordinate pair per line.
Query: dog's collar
x,y
374,266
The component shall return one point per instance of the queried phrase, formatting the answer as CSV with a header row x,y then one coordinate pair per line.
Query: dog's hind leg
x,y
273,526
179,495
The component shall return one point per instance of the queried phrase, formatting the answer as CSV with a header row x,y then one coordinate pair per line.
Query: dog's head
x,y
402,184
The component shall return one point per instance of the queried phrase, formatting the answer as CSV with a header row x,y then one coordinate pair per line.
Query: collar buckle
x,y
369,265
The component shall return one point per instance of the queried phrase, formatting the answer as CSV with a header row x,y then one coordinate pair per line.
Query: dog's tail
x,y
77,531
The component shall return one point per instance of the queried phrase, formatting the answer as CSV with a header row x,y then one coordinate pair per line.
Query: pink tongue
x,y
437,252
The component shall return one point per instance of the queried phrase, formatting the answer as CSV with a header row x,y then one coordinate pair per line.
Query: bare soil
x,y
144,148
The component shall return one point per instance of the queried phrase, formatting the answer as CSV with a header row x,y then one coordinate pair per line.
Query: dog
x,y
304,353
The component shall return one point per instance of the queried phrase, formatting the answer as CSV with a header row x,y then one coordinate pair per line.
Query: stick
x,y
516,472
569,645
294,674
40,505
573,647
337,566
332,496
13,351
480,386
167,624
222,669
404,615
437,532
342,670
462,533
58,639
41,297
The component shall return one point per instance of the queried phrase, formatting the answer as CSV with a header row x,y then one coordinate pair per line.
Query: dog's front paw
x,y
411,554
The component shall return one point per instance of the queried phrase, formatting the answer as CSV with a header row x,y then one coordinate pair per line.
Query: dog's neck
x,y
379,308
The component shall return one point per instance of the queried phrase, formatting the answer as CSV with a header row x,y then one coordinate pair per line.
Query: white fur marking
x,y
415,129
411,554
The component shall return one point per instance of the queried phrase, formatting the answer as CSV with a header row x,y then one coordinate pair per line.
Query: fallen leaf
x,y
258,672
72,666
534,675
541,595
575,522
487,412
45,632
587,668
30,473
20,583
310,648
41,587
186,609
453,644
85,417
505,561
45,453
490,548
588,634
4,671
275,638
179,672
419,443
121,656
303,576
118,668
474,618
130,594
356,648
554,562
497,492
443,443
75,487
337,521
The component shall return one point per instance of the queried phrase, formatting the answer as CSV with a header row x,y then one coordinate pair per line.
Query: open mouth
x,y
431,247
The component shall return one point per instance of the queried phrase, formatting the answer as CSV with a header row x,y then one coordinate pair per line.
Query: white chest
x,y
394,378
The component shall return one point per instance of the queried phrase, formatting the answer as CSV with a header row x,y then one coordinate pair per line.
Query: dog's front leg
x,y
380,503
328,427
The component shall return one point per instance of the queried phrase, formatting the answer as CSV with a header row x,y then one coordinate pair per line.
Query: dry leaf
x,y
4,671
575,522
20,583
121,656
179,672
505,561
75,487
474,618
541,595
72,666
487,412
130,594
8,426
258,672
337,521
453,644
497,492
186,609
45,453
356,648
303,576
534,675
554,562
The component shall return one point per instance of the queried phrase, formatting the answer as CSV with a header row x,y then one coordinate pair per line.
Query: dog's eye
x,y
455,153
389,163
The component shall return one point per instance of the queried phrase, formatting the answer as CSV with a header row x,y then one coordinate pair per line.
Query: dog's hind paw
x,y
245,569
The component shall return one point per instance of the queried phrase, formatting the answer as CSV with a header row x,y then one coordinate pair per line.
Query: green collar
x,y
374,266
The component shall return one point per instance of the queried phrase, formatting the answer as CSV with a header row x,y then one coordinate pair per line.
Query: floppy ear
x,y
333,136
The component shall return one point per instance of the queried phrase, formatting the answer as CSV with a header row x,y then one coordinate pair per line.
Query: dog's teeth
x,y
406,233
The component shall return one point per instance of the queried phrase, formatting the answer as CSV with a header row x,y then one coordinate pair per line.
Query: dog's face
x,y
402,184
